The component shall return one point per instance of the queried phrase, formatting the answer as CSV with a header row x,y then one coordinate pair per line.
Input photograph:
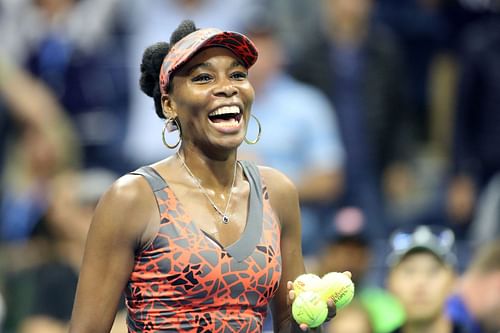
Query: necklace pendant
x,y
225,219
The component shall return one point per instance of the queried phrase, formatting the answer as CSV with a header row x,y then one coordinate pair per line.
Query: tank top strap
x,y
252,172
154,179
253,230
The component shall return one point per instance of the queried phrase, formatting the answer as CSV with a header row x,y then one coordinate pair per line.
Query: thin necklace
x,y
224,214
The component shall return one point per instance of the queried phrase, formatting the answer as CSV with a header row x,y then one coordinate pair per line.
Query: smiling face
x,y
211,97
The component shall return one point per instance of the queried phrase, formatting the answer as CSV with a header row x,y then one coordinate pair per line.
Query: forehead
x,y
420,258
212,56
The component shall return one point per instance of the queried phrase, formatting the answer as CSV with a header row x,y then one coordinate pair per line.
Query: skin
x,y
480,291
127,216
422,283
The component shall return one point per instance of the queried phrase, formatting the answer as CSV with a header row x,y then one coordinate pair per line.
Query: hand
x,y
332,309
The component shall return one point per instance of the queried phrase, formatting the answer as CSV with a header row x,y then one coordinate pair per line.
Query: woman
x,y
200,241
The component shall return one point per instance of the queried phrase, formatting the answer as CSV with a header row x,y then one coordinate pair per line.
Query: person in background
x,y
350,249
476,126
475,303
358,65
422,276
354,318
485,227
39,142
40,297
75,48
304,142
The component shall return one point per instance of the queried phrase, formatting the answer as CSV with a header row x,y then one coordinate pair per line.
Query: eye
x,y
204,77
239,75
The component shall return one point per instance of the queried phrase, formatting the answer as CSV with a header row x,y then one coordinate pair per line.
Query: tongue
x,y
222,118
222,121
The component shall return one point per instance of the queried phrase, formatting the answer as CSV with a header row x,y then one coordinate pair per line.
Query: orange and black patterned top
x,y
185,281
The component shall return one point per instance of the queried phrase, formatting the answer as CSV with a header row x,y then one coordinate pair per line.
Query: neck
x,y
214,173
439,325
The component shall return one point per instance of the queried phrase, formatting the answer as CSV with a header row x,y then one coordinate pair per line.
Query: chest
x,y
200,269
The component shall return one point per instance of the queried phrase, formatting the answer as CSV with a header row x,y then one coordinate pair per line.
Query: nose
x,y
225,89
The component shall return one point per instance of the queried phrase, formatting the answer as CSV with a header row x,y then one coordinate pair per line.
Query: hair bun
x,y
152,60
185,28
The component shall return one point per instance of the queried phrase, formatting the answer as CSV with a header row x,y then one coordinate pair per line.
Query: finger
x,y
349,275
303,327
291,297
332,309
289,285
330,303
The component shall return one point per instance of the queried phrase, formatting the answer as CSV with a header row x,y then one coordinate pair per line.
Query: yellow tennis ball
x,y
339,287
310,309
307,282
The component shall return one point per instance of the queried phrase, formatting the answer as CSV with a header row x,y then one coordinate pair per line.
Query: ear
x,y
168,107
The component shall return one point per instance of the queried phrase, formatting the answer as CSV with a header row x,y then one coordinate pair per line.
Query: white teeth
x,y
225,110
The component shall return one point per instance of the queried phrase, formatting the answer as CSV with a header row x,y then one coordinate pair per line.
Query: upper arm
x,y
285,202
117,230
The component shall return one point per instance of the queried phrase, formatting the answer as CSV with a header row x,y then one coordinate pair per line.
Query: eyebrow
x,y
206,64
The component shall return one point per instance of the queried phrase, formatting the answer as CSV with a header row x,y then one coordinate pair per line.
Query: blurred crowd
x,y
383,113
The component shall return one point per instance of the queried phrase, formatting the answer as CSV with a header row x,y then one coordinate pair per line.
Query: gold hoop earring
x,y
171,125
252,142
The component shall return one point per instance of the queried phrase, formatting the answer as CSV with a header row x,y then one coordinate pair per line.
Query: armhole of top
x,y
157,185
155,181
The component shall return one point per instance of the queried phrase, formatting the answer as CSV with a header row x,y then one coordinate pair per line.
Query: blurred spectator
x,y
40,298
299,132
149,22
354,318
349,248
476,303
76,49
422,276
40,144
485,226
477,121
358,65
295,20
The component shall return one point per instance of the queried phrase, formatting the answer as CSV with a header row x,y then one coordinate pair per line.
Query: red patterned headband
x,y
187,47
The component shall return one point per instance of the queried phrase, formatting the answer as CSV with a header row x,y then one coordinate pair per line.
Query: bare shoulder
x,y
128,205
277,182
282,192
129,187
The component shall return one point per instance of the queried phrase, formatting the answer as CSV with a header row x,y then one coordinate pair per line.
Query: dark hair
x,y
152,59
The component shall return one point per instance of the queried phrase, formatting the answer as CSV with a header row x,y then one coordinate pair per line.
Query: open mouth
x,y
227,116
